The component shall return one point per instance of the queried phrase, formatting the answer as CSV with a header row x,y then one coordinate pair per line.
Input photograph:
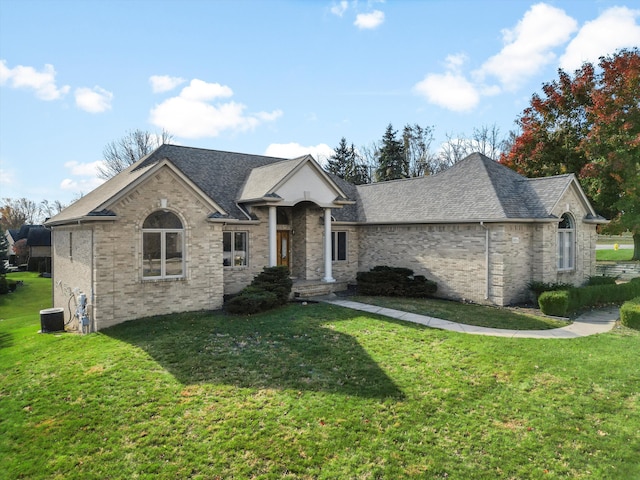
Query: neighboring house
x,y
38,243
183,227
11,236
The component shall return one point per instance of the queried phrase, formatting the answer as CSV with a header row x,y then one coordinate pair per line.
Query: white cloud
x,y
93,100
615,28
368,21
6,177
43,83
450,90
192,115
529,45
320,152
198,90
164,83
339,8
87,173
84,169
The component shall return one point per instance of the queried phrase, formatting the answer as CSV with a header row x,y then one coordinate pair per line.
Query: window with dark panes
x,y
162,246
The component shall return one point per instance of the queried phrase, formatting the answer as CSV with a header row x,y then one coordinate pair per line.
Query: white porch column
x,y
328,274
273,248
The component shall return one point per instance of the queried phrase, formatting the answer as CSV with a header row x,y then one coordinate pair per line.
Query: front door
x,y
284,246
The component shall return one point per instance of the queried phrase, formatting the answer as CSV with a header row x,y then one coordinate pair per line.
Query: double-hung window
x,y
234,251
338,246
566,243
162,246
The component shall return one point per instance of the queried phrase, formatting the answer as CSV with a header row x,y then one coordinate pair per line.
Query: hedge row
x,y
269,289
394,282
565,302
630,313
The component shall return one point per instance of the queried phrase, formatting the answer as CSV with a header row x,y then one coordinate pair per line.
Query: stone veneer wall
x,y
451,255
346,271
119,292
72,256
585,241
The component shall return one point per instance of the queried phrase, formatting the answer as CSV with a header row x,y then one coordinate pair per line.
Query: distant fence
x,y
622,270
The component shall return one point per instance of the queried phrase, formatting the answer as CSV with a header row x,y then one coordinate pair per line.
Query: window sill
x,y
163,279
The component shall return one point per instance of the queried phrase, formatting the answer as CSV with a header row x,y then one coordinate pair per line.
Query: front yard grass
x,y
469,314
313,391
610,255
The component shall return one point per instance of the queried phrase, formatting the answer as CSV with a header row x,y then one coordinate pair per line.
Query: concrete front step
x,y
307,289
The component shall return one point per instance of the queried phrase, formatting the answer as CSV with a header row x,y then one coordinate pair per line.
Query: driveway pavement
x,y
590,323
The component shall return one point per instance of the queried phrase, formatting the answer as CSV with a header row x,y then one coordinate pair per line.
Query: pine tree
x,y
337,163
392,163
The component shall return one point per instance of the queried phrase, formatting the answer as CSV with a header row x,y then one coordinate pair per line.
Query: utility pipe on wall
x,y
486,260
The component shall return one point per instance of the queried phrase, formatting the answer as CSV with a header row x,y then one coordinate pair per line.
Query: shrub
x,y
251,300
394,282
269,289
555,302
601,280
540,287
592,296
630,313
275,280
4,286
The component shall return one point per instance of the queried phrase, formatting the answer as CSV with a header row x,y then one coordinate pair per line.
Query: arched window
x,y
162,246
566,243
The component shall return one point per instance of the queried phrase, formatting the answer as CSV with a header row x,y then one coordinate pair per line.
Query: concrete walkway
x,y
590,323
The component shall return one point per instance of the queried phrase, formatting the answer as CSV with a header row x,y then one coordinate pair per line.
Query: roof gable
x,y
290,182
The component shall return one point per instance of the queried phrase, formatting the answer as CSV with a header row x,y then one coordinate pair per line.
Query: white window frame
x,y
163,252
335,236
237,260
566,244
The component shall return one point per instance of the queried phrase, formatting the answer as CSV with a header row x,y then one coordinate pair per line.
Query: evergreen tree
x,y
356,170
392,163
4,250
347,164
337,163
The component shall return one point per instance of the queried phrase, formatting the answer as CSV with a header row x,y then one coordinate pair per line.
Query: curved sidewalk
x,y
590,323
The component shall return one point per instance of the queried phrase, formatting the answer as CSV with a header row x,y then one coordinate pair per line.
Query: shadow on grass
x,y
288,348
6,340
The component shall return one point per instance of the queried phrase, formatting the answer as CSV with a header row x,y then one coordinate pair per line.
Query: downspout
x,y
486,259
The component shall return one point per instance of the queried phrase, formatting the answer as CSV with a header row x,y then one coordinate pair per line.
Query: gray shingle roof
x,y
475,189
220,175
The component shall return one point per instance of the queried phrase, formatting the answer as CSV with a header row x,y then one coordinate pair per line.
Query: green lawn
x,y
470,314
621,255
310,391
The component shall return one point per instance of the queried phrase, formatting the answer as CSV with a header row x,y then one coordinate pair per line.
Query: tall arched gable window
x,y
566,243
162,246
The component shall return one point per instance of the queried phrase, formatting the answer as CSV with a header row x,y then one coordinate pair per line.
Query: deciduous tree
x,y
121,153
589,124
18,212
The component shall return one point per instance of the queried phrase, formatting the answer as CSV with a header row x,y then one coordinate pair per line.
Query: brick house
x,y
183,227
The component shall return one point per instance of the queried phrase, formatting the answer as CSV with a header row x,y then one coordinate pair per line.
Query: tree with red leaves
x,y
589,124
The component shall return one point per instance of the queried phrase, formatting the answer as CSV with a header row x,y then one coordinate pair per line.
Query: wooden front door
x,y
284,247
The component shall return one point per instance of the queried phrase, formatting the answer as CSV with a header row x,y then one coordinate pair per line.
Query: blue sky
x,y
280,78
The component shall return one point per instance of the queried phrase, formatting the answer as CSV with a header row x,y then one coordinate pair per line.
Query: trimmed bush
x,y
555,302
269,289
251,300
4,286
592,296
538,288
394,282
602,280
630,313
